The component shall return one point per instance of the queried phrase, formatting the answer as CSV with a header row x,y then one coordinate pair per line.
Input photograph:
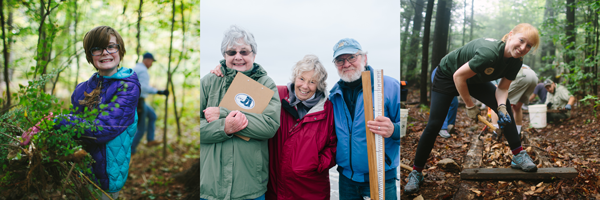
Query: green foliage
x,y
423,108
591,100
45,161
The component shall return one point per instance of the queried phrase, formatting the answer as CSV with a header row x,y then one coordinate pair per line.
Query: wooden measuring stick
x,y
368,102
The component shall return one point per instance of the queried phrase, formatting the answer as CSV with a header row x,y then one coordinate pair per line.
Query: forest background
x,y
42,52
568,50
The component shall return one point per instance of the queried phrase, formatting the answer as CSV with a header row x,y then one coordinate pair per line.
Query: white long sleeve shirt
x,y
142,72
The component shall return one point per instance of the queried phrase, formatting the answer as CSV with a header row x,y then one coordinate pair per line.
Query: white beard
x,y
351,77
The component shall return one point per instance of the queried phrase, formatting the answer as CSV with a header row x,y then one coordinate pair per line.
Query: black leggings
x,y
486,93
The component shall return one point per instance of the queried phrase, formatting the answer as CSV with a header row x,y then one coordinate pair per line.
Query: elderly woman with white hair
x,y
304,147
230,167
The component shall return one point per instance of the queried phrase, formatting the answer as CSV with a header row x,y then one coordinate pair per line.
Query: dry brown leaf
x,y
475,191
539,184
497,145
420,197
529,193
532,188
539,190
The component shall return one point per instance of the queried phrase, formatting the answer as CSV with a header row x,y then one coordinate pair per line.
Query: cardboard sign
x,y
245,94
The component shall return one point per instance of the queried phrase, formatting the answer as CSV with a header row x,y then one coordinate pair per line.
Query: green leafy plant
x,y
52,161
592,100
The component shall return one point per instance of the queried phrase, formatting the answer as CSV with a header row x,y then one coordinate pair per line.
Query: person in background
x,y
468,71
558,98
231,167
119,90
144,111
348,107
518,94
450,117
540,92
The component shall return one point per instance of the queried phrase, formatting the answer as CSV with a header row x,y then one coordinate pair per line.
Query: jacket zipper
x,y
349,140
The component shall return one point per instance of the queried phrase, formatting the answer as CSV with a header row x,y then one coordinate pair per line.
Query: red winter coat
x,y
301,153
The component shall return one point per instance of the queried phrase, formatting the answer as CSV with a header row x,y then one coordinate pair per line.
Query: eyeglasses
x,y
242,52
113,48
350,59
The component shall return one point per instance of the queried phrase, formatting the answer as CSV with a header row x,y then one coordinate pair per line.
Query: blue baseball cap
x,y
346,46
149,55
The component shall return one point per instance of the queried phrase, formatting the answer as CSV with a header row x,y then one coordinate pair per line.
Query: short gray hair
x,y
234,34
308,63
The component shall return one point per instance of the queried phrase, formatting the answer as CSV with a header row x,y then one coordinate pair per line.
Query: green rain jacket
x,y
230,167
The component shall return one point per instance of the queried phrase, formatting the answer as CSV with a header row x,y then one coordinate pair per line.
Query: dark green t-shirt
x,y
485,57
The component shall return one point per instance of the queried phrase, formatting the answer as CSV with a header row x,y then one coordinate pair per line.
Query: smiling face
x,y
238,61
550,88
107,63
351,71
517,45
305,85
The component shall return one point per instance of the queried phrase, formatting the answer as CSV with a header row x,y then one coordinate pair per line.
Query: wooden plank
x,y
516,174
372,157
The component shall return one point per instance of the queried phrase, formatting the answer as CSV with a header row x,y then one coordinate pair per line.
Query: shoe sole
x,y
530,170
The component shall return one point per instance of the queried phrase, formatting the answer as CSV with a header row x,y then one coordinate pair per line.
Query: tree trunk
x,y
5,51
570,31
41,39
548,48
425,52
403,50
464,23
177,113
440,34
472,21
595,70
169,75
414,39
74,44
137,49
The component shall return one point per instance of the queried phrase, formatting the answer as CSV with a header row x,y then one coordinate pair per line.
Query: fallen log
x,y
472,160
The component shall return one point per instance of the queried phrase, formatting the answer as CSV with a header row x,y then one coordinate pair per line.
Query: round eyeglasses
x,y
350,59
113,48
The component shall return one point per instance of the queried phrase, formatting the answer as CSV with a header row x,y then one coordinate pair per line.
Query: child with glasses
x,y
114,92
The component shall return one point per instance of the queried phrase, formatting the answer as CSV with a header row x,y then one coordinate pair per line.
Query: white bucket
x,y
537,116
403,119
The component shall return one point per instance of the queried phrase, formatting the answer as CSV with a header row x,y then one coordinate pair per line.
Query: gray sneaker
x,y
415,179
524,162
444,133
450,128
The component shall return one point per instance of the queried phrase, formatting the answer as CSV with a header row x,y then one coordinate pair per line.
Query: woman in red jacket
x,y
303,148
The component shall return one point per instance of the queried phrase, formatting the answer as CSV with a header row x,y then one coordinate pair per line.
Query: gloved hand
x,y
568,107
28,135
472,112
163,92
503,116
549,105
